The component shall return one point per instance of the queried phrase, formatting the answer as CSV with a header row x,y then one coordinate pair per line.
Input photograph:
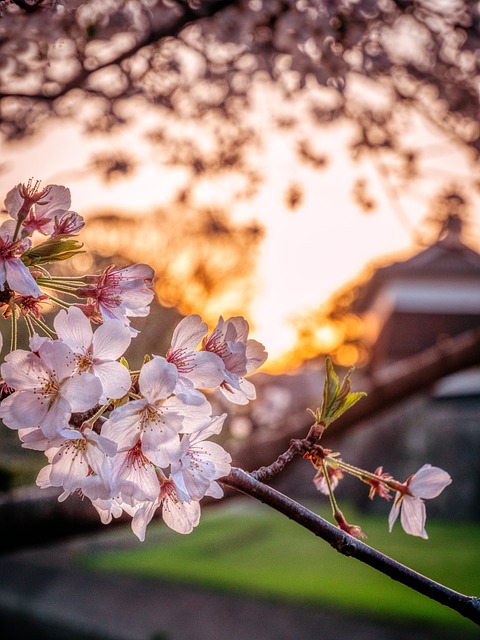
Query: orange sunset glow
x,y
302,255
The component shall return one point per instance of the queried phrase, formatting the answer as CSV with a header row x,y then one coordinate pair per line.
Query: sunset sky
x,y
307,253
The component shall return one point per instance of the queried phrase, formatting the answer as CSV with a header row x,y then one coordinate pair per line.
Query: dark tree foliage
x,y
199,73
201,62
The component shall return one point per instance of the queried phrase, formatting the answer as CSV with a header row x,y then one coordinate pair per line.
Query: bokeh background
x,y
314,167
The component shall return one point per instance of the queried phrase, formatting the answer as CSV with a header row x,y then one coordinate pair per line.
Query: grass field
x,y
256,550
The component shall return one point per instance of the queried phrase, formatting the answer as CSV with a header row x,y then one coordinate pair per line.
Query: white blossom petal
x,y
256,355
157,379
22,409
236,396
111,340
74,329
43,477
413,516
114,378
215,491
394,511
186,413
14,201
68,467
20,279
188,333
161,446
236,329
23,370
207,370
56,418
429,482
136,478
83,391
142,517
182,517
124,426
57,358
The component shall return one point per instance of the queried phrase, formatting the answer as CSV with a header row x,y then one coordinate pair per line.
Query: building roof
x,y
447,260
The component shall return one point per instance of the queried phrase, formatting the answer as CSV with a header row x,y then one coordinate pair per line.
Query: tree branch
x,y
384,389
468,606
171,29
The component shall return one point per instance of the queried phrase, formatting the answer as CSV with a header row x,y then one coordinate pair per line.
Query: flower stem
x,y
91,421
45,328
66,279
20,219
29,324
14,325
46,282
60,303
351,469
331,495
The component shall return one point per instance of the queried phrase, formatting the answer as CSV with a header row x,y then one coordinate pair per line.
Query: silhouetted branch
x,y
168,29
468,606
384,389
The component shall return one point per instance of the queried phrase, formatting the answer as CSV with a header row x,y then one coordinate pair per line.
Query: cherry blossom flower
x,y
117,294
196,369
27,305
181,516
200,463
13,272
75,456
158,416
97,352
69,224
134,478
46,389
428,482
240,356
23,197
39,210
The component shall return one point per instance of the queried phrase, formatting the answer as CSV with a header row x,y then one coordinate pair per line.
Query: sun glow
x,y
305,255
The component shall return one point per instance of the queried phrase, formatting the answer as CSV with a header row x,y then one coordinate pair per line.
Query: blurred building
x,y
411,305
407,307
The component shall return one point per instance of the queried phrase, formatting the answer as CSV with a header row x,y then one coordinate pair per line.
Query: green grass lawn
x,y
259,551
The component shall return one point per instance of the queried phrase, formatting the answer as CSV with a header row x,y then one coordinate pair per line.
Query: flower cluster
x,y
25,283
139,441
153,450
131,442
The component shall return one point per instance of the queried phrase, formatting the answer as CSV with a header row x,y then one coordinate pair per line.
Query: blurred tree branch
x,y
204,61
384,389
180,15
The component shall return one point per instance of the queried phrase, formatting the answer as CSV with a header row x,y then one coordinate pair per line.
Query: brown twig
x,y
297,447
386,387
468,606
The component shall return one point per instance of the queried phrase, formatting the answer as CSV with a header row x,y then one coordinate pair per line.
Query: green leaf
x,y
337,397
